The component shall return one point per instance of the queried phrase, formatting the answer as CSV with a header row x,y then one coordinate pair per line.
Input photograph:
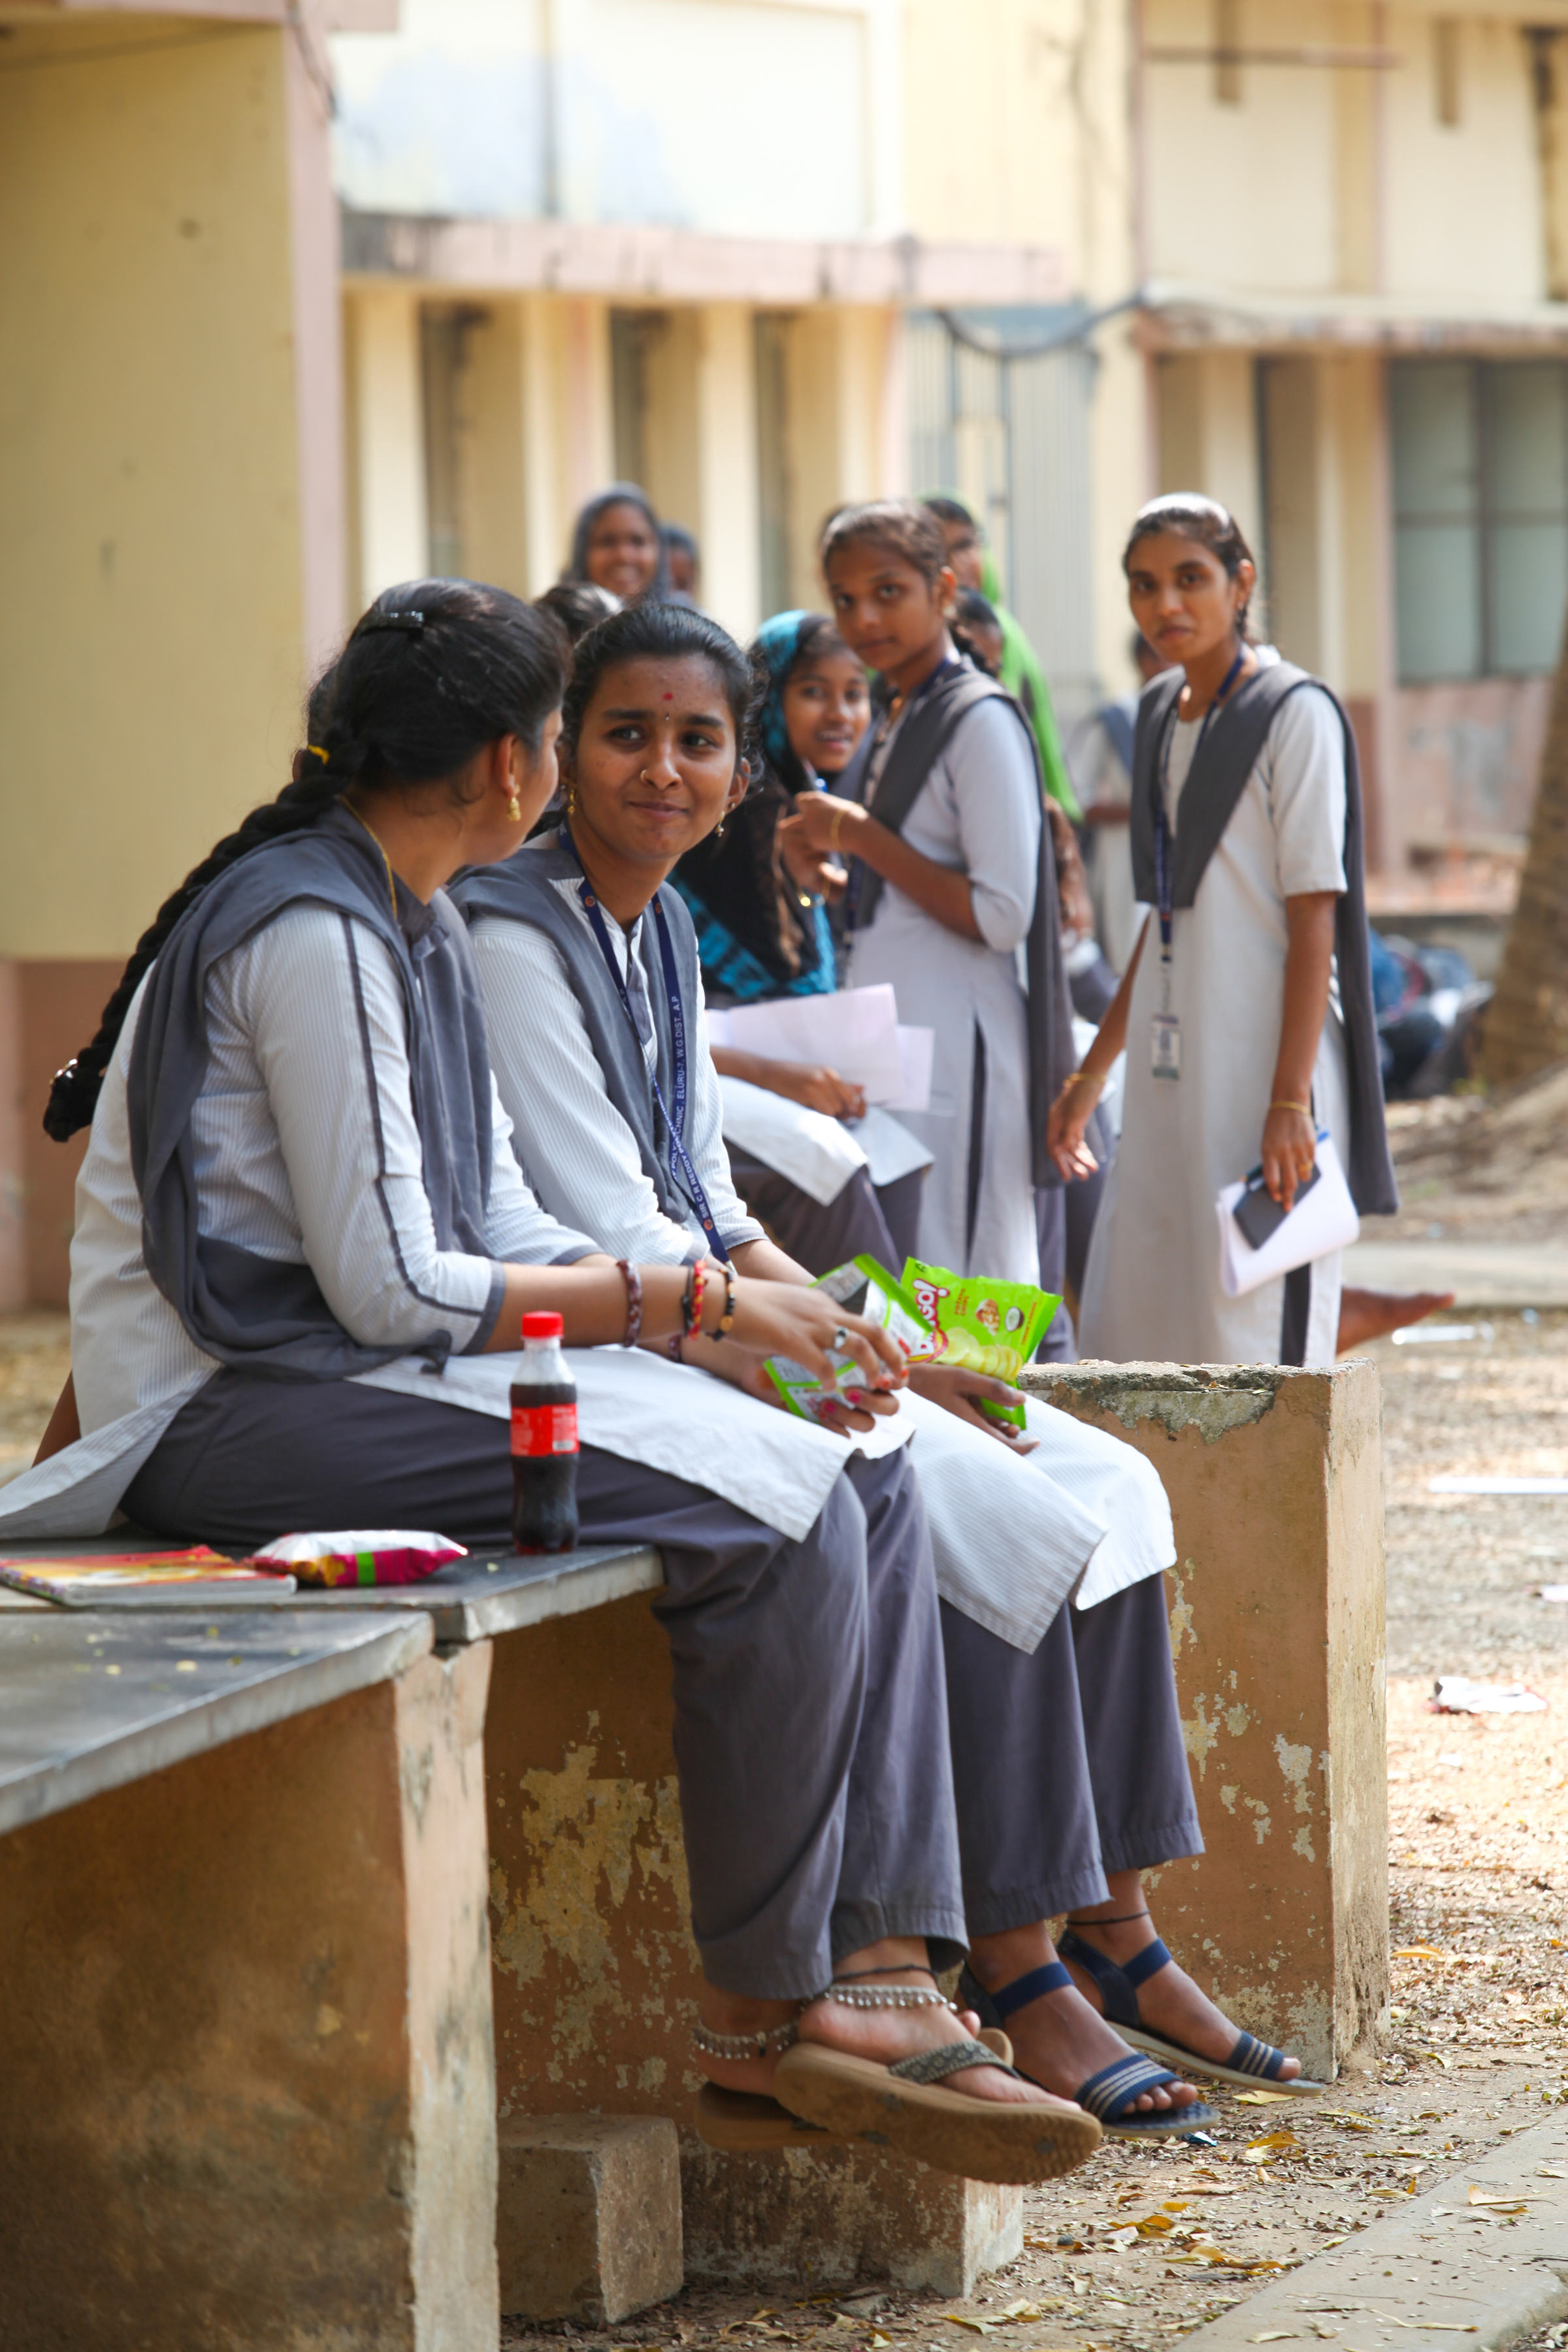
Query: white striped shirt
x,y
306,1150
577,1151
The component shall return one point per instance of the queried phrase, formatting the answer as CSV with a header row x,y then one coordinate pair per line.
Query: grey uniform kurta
x,y
815,1777
978,813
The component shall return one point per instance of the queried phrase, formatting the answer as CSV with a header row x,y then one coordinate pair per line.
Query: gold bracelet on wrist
x,y
1073,1077
834,829
1305,1109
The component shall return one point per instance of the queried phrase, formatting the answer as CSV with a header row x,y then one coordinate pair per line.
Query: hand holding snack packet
x,y
978,1325
860,1287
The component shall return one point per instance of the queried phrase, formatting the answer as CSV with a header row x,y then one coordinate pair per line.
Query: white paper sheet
x,y
855,1032
1323,1220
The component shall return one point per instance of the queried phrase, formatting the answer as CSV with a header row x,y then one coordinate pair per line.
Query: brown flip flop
x,y
904,2107
747,2123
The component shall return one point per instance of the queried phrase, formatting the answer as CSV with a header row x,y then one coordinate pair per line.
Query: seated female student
x,y
301,1239
1070,1770
617,545
826,1194
1247,830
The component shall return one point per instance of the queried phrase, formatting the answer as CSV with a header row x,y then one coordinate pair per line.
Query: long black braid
x,y
432,672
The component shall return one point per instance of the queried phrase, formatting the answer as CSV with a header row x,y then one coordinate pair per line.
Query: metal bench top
x,y
91,1700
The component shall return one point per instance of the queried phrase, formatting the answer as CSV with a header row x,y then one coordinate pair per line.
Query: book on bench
x,y
144,1580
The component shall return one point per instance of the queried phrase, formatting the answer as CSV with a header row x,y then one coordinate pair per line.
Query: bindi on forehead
x,y
669,697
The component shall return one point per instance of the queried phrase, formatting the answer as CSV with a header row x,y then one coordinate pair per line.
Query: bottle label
x,y
543,1429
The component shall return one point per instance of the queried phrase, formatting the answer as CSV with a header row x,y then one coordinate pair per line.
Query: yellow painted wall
x,y
150,590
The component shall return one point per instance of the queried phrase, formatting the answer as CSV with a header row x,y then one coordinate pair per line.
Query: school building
x,y
300,299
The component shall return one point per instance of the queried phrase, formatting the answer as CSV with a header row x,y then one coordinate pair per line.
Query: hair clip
x,y
408,621
316,752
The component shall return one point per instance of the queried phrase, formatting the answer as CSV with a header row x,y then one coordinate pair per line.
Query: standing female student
x,y
1246,1010
763,931
954,874
301,1239
1071,1769
617,545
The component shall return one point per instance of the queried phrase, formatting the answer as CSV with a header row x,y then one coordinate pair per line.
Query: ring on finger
x,y
840,1338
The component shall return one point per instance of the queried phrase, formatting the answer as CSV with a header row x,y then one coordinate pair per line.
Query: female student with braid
x,y
1071,1769
302,1242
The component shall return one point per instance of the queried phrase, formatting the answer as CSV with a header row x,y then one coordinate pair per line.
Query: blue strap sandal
x,y
1109,2095
1251,2062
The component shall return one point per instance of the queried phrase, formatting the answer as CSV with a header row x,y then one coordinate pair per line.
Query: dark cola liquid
x,y
543,1484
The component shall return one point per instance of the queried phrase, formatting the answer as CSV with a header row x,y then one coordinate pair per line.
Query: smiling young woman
x,y
1247,835
617,545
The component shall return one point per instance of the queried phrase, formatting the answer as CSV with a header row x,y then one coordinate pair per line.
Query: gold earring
x,y
572,800
514,806
719,828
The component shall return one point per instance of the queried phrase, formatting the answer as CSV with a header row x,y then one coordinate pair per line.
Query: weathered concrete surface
x,y
840,2214
596,1975
247,2083
1277,1626
1444,2267
588,2222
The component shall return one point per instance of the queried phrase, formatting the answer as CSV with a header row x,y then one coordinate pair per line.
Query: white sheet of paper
x,y
855,1032
1324,1220
818,1154
891,1151
918,1050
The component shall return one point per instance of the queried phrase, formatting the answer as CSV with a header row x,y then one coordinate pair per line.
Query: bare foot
x,y
1169,2003
882,2035
1372,1314
1060,2038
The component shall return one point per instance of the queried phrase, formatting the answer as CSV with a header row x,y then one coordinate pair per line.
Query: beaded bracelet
x,y
726,1320
632,1281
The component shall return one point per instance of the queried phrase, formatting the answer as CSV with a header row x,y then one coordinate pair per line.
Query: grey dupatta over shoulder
x,y
523,889
266,1315
1220,766
916,747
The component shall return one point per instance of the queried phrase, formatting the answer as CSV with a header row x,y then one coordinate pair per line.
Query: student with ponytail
x,y
303,1244
1070,1770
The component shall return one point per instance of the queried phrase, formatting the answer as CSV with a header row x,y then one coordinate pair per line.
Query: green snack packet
x,y
861,1287
985,1326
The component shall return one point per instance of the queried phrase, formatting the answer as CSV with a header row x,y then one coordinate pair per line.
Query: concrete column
x,y
246,2066
388,430
493,449
1277,1626
1208,433
727,464
590,445
546,520
849,423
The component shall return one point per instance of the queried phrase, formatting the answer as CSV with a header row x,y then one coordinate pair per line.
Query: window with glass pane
x,y
1481,516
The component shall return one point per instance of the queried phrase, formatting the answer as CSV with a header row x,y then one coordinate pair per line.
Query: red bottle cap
x,y
542,1327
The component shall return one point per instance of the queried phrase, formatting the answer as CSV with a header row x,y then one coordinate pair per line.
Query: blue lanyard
x,y
1164,876
682,1174
857,866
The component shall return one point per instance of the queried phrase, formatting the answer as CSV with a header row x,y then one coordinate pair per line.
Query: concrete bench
x,y
1277,1624
246,2052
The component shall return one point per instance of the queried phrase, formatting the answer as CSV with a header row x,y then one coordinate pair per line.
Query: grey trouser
x,y
810,1717
877,1221
1067,1763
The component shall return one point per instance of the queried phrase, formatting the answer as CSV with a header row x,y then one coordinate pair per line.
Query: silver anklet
x,y
746,2045
858,1996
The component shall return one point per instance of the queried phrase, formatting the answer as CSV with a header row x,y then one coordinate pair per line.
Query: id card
x,y
1165,1045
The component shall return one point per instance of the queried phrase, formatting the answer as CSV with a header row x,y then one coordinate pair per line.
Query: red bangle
x,y
695,1284
632,1281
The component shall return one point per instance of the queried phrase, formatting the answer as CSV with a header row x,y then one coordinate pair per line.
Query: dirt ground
x,y
1141,2245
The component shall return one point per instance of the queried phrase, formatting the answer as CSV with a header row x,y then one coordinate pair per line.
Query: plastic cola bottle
x,y
544,1443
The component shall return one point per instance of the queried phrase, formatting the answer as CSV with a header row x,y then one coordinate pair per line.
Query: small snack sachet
x,y
980,1324
360,1556
861,1287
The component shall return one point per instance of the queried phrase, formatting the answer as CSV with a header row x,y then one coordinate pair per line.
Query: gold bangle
x,y
834,829
1305,1109
1073,1077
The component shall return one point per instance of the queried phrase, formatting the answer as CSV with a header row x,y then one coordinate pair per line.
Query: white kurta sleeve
x,y
1305,758
321,1000
516,1227
577,1151
998,801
